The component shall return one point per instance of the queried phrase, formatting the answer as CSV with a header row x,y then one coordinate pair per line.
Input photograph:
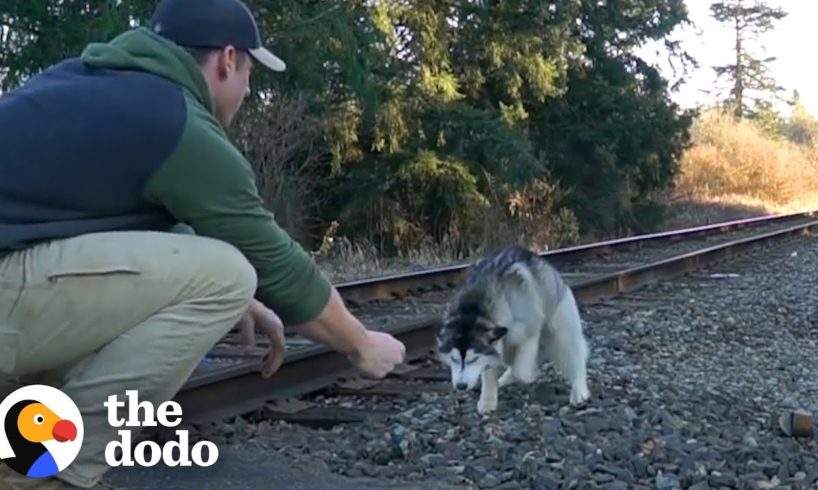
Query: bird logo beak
x,y
64,430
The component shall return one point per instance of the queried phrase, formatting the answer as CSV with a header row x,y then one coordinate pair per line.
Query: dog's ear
x,y
443,339
497,333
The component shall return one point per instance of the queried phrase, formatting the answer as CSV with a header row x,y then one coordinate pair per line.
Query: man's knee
x,y
246,280
231,270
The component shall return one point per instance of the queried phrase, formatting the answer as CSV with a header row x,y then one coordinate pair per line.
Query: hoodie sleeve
x,y
208,184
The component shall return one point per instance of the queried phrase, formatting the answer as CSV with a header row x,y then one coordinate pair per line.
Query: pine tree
x,y
749,74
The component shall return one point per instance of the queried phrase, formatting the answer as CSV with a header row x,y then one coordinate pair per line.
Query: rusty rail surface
x,y
397,285
240,389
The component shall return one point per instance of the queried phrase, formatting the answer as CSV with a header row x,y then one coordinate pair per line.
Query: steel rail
x,y
240,389
393,286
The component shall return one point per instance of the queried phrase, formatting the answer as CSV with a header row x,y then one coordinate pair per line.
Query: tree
x,y
36,33
749,74
615,138
409,121
802,127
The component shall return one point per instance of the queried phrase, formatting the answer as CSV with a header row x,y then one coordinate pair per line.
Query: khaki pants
x,y
110,312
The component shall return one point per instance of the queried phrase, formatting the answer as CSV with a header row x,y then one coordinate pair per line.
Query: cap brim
x,y
268,59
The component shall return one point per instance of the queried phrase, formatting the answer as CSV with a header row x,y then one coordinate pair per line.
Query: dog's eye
x,y
471,361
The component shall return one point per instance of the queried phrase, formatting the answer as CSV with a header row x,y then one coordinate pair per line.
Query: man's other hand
x,y
261,319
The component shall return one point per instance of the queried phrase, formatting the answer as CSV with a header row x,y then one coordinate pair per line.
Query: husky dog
x,y
512,308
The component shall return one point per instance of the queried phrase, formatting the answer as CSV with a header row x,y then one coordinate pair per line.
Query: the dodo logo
x,y
42,431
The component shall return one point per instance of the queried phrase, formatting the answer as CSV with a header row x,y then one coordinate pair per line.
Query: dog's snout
x,y
461,386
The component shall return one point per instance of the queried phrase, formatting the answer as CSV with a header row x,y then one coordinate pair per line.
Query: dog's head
x,y
466,343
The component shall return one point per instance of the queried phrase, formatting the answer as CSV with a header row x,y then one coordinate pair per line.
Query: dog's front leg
x,y
488,391
524,365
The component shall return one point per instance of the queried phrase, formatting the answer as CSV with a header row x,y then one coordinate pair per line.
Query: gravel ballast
x,y
688,379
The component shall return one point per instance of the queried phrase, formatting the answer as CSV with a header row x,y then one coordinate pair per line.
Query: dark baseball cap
x,y
212,24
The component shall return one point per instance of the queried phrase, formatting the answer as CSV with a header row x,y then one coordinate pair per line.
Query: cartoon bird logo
x,y
28,425
39,443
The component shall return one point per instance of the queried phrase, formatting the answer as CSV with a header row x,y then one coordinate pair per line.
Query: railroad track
x,y
408,305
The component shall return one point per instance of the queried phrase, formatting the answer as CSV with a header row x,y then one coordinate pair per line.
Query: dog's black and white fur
x,y
513,308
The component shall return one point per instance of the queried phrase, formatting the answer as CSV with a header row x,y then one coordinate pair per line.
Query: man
x,y
100,157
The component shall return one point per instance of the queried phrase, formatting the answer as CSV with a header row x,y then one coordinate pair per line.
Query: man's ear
x,y
497,333
227,59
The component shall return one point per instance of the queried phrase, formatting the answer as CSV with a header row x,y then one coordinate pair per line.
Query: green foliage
x,y
615,137
40,32
463,122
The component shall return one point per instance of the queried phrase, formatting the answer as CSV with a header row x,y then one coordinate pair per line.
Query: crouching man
x,y
100,156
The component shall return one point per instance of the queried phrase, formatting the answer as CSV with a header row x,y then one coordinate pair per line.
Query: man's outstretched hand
x,y
378,354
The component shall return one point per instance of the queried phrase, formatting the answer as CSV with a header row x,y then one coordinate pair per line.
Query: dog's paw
x,y
485,406
580,394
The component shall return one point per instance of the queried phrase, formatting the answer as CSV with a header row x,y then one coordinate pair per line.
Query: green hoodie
x,y
208,184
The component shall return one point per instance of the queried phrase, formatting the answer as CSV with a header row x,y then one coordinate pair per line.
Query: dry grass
x,y
344,260
735,170
529,218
